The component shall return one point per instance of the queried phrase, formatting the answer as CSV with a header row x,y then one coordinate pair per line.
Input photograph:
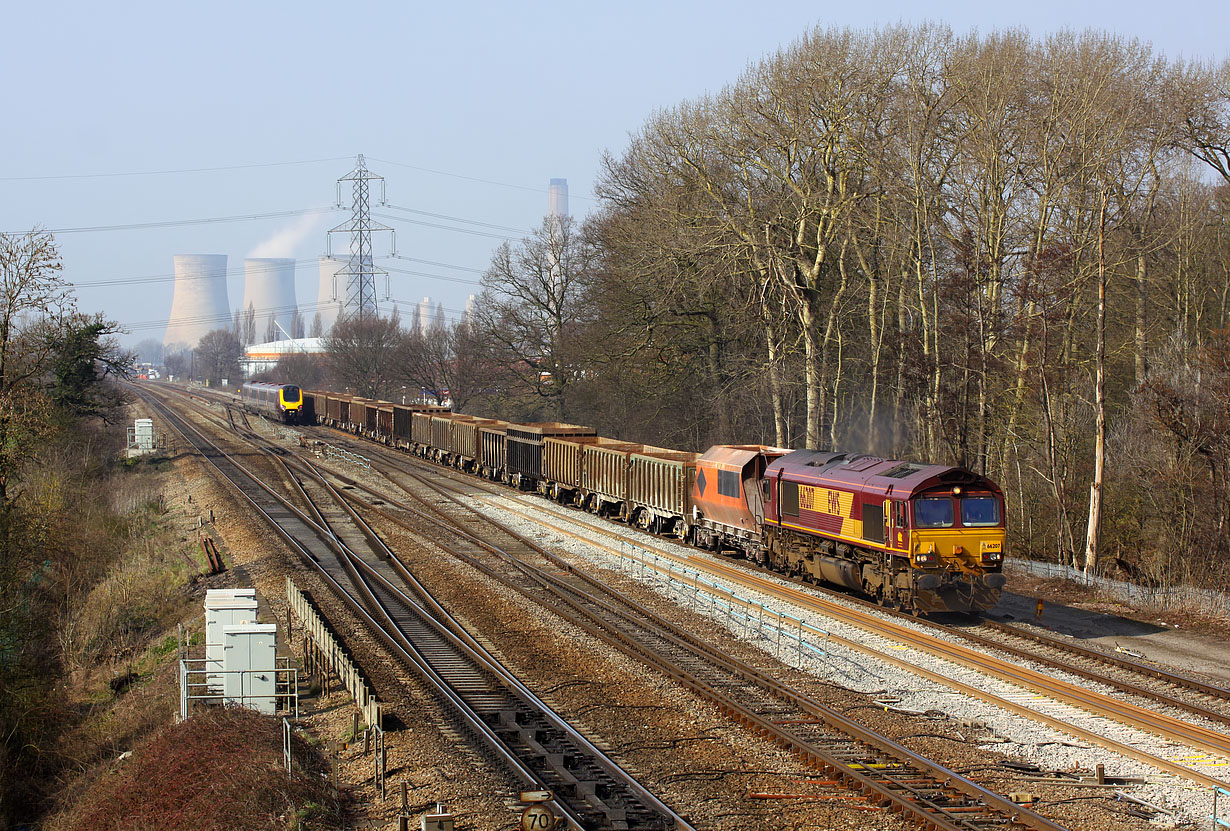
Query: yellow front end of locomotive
x,y
959,549
290,403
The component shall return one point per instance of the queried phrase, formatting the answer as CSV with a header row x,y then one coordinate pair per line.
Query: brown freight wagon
x,y
606,476
563,466
442,434
660,489
333,408
384,421
420,432
465,441
524,449
403,419
493,441
358,414
371,418
343,412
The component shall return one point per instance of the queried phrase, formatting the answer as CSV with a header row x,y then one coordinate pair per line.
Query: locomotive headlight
x,y
992,552
925,558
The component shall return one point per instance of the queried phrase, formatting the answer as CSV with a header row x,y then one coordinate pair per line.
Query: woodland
x,y
998,251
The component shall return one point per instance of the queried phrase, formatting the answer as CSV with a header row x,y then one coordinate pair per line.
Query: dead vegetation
x,y
221,769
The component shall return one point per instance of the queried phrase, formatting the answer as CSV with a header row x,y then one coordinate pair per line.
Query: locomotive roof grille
x,y
904,470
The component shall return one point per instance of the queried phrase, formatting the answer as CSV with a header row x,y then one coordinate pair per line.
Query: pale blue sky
x,y
514,94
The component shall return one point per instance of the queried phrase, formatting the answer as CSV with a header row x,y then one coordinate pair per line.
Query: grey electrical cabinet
x,y
223,607
250,666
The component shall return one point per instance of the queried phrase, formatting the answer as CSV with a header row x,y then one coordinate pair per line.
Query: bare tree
x,y
362,354
217,356
531,309
32,293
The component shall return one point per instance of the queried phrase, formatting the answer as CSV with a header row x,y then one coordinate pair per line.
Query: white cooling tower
x,y
331,294
200,303
269,288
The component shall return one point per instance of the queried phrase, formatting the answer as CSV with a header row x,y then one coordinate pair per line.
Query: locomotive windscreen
x,y
290,394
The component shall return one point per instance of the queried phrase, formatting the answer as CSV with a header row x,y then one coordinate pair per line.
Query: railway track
x,y
516,729
887,773
1207,739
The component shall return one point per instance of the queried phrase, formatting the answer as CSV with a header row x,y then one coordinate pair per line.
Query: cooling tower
x,y
200,304
269,288
331,294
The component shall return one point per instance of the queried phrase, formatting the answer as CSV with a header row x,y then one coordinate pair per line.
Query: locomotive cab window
x,y
979,511
290,394
933,512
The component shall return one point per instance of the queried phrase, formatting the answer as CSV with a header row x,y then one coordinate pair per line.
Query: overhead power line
x,y
171,223
164,172
458,219
470,231
433,276
472,178
166,278
241,271
224,321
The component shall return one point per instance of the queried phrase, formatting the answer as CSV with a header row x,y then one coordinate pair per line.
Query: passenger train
x,y
283,402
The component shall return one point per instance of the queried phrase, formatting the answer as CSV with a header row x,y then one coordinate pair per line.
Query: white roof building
x,y
260,357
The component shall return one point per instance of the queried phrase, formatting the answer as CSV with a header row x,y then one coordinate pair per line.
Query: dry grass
x,y
221,770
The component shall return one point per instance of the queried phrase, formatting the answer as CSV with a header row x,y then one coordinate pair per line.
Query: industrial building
x,y
260,357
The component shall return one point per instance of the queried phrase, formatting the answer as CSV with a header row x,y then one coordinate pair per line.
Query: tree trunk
x,y
775,372
1099,446
812,373
899,392
1142,366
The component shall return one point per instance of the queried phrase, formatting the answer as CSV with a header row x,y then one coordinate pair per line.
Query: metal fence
x,y
327,651
198,682
754,618
1135,595
345,455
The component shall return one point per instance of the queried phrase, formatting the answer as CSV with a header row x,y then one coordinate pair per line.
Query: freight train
x,y
920,537
283,402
